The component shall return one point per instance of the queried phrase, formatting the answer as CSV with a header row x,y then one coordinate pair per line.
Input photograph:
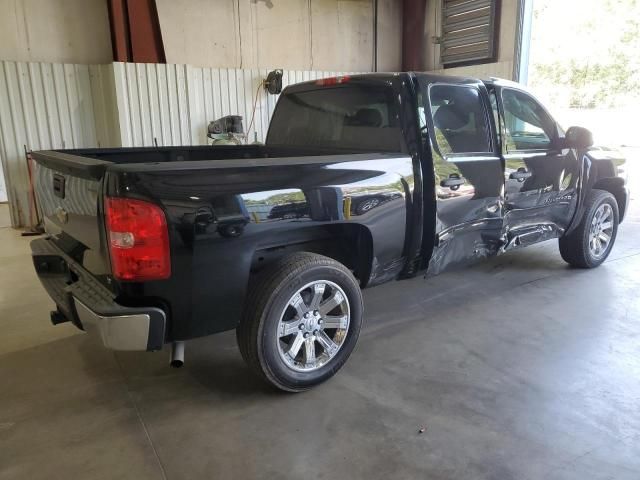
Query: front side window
x,y
459,118
527,124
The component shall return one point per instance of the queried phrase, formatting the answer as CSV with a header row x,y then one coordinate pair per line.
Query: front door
x,y
468,172
540,177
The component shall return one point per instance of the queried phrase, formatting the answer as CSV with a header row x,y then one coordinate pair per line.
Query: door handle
x,y
453,182
520,175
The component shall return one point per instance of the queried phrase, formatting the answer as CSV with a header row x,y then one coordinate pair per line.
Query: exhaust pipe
x,y
177,354
57,317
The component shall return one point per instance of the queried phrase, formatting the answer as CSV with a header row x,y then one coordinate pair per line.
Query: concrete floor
x,y
518,368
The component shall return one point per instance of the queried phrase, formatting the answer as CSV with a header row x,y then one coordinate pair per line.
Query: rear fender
x,y
350,244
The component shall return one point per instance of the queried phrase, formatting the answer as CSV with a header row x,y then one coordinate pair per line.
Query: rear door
x,y
459,135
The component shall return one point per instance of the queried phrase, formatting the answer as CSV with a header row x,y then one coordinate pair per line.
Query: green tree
x,y
586,53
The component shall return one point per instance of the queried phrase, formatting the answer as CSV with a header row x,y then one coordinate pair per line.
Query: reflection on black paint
x,y
289,210
363,203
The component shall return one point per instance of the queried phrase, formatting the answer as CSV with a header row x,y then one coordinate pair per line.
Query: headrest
x,y
368,117
448,117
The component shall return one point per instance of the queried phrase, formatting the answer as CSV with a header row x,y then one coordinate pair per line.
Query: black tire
x,y
574,247
269,294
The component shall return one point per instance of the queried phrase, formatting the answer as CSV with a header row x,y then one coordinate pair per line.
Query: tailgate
x,y
68,191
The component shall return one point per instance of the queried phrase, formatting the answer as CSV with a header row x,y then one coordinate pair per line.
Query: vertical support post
x,y
135,31
413,34
374,62
144,31
119,23
523,42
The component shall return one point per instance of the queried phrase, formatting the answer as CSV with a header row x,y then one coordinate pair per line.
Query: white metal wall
x,y
42,106
216,92
53,106
152,104
173,104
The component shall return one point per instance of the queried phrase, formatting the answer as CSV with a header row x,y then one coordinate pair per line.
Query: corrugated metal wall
x,y
215,92
42,105
51,106
173,104
152,104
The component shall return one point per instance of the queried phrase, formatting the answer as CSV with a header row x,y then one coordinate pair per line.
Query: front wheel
x,y
303,321
591,242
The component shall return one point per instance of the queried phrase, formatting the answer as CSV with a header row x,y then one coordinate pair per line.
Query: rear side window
x,y
353,117
460,120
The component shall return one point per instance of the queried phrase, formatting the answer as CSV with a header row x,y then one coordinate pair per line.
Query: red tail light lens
x,y
138,240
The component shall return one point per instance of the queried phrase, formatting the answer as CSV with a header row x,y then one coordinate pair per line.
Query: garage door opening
x,y
584,63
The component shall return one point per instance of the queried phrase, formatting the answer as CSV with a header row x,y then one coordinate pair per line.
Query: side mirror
x,y
579,138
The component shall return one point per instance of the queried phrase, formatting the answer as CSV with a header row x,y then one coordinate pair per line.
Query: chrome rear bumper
x,y
91,306
119,332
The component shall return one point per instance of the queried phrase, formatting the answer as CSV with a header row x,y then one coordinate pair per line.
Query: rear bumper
x,y
120,332
89,305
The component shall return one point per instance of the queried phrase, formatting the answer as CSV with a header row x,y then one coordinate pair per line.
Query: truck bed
x,y
229,210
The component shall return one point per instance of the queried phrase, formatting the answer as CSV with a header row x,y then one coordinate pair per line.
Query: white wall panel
x,y
105,106
42,106
152,104
173,104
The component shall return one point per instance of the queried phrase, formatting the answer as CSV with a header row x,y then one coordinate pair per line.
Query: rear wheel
x,y
303,321
591,242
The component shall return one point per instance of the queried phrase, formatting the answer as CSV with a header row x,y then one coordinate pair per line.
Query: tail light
x,y
138,240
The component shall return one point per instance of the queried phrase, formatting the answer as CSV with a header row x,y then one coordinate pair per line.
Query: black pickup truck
x,y
362,180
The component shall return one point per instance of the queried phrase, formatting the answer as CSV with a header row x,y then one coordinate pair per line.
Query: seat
x,y
451,122
368,117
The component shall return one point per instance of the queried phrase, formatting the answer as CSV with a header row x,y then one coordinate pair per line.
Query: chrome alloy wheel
x,y
368,205
601,230
313,326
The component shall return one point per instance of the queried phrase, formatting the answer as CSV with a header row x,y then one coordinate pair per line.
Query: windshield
x,y
353,117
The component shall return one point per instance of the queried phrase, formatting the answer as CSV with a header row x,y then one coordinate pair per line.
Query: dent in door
x,y
469,216
540,177
468,175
